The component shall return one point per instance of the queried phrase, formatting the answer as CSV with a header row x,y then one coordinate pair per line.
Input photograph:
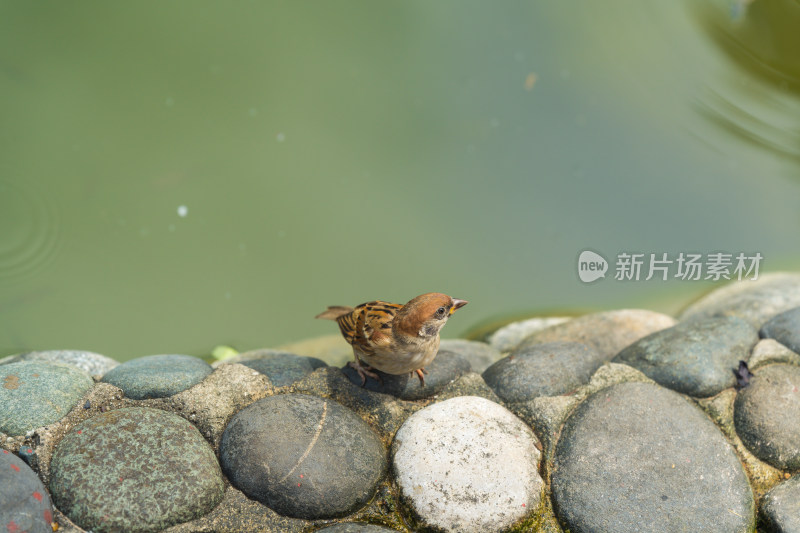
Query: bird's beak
x,y
457,304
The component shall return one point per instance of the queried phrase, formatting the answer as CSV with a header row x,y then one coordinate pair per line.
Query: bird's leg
x,y
419,372
363,371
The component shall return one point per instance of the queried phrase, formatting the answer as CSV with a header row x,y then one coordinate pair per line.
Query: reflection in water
x,y
328,154
762,38
29,231
768,123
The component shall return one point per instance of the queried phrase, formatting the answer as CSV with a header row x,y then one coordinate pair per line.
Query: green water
x,y
178,175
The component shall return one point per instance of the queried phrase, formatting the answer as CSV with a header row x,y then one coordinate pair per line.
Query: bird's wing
x,y
369,326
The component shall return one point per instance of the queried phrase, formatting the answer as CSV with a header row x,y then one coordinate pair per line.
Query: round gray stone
x,y
509,336
445,368
467,464
282,368
35,393
784,328
158,376
549,369
755,301
134,469
314,458
781,506
695,357
479,354
608,332
24,503
635,457
93,363
354,527
767,415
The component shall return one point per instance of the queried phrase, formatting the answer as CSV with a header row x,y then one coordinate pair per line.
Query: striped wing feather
x,y
369,326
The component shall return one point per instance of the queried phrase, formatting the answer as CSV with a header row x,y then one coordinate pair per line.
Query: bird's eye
x,y
441,311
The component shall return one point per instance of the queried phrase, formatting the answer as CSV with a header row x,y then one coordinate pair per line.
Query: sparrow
x,y
394,338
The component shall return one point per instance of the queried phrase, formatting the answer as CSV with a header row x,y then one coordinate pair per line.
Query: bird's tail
x,y
334,312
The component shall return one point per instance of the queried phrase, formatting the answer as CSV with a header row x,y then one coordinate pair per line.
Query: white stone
x,y
468,464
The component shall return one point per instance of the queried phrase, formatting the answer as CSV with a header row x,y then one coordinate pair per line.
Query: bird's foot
x,y
420,374
364,371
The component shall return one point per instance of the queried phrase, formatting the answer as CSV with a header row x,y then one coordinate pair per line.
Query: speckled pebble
x,y
755,301
314,458
767,415
157,376
468,465
93,363
636,453
282,368
445,368
24,502
608,332
35,393
784,328
134,469
695,357
781,507
548,369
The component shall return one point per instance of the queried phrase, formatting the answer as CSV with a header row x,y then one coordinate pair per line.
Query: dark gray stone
x,y
766,414
781,507
754,301
134,469
34,394
282,368
158,376
385,412
446,367
695,357
549,369
784,328
636,457
354,527
314,458
24,503
93,363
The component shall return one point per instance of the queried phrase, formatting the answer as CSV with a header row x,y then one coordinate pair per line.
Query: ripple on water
x,y
29,230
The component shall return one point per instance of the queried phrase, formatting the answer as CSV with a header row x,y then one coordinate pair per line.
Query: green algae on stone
x,y
134,469
34,394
